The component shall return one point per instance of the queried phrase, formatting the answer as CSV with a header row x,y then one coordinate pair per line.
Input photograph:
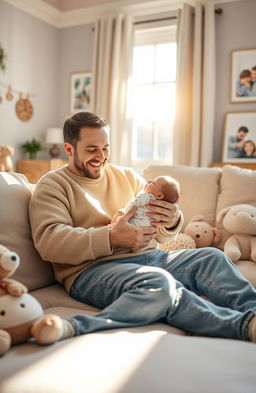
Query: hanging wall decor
x,y
2,58
23,107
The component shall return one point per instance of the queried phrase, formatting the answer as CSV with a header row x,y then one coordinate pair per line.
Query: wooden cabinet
x,y
34,169
246,165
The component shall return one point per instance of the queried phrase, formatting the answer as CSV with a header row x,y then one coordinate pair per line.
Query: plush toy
x,y
181,241
21,316
203,233
240,221
5,159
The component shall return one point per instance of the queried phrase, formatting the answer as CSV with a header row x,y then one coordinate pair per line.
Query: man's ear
x,y
69,149
160,195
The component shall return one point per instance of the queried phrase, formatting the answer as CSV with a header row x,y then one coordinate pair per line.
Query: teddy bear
x,y
21,315
5,159
240,221
202,232
198,233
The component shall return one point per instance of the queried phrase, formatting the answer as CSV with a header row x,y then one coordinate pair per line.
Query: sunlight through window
x,y
153,94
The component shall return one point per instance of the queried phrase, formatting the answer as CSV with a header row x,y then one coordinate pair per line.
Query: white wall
x,y
76,54
32,47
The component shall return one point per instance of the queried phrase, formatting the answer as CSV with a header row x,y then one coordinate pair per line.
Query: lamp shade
x,y
54,135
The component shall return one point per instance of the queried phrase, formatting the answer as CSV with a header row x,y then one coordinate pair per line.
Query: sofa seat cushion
x,y
248,270
199,188
130,361
15,231
55,295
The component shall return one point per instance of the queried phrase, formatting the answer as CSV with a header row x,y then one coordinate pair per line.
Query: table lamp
x,y
54,136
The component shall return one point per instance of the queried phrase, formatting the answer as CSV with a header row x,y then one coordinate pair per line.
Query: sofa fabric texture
x,y
154,358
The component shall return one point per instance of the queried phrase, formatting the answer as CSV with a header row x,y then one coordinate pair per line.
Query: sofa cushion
x,y
199,188
237,186
15,231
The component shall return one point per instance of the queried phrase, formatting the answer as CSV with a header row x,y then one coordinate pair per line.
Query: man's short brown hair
x,y
73,125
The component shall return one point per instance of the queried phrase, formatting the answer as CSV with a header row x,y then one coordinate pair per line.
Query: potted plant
x,y
32,148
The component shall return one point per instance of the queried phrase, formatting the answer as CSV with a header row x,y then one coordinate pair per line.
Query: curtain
x,y
195,92
111,71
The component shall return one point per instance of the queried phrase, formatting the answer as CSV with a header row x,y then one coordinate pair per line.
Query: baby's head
x,y
245,76
164,187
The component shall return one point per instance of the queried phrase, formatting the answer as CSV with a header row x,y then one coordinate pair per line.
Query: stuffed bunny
x,y
240,221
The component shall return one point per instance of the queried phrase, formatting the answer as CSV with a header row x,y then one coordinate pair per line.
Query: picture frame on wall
x,y
239,143
80,92
243,75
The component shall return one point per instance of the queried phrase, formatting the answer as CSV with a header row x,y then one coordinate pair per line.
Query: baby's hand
x,y
117,215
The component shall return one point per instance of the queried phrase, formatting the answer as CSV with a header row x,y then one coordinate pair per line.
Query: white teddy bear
x,y
240,221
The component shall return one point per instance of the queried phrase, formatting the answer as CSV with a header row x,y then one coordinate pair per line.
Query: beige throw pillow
x,y
199,188
15,231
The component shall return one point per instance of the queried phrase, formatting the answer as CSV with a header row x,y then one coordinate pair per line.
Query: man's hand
x,y
124,234
165,213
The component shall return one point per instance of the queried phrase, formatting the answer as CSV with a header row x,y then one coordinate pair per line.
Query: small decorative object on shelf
x,y
5,158
32,148
54,136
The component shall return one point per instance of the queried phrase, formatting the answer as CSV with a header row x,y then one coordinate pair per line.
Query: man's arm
x,y
54,235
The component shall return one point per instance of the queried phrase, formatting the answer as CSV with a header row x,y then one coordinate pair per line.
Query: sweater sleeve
x,y
165,235
53,233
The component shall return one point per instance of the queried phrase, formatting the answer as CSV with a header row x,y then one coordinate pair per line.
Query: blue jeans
x,y
167,286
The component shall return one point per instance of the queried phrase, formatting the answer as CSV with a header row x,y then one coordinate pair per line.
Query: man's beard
x,y
80,167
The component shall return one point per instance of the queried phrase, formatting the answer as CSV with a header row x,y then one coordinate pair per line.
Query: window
x,y
153,94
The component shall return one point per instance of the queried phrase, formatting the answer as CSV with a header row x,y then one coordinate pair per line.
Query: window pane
x,y
165,101
143,64
144,103
143,140
165,62
164,137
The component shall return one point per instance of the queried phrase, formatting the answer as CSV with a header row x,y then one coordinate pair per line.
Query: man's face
x,y
91,153
241,135
253,75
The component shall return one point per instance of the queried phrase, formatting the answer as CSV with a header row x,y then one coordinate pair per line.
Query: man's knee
x,y
158,282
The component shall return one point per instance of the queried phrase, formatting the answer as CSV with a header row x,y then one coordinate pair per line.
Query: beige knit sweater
x,y
69,217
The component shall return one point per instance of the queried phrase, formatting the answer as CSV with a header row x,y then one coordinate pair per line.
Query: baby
x,y
162,187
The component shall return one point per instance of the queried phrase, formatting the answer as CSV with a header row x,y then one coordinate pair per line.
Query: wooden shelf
x,y
246,165
34,169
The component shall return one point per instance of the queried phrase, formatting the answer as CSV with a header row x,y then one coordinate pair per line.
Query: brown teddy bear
x,y
198,233
204,234
240,221
5,159
21,316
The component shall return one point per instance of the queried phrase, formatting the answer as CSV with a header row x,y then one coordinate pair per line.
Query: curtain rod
x,y
218,11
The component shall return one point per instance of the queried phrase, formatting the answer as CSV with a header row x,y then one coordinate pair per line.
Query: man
x,y
236,142
112,266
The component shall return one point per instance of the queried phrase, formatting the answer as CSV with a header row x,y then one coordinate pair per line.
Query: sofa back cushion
x,y
199,188
15,231
237,186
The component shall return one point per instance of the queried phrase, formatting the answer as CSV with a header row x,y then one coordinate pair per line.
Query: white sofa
x,y
150,359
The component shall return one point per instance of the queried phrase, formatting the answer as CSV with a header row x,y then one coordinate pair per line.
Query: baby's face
x,y
154,186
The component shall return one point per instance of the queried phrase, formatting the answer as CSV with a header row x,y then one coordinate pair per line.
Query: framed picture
x,y
80,91
239,137
243,75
